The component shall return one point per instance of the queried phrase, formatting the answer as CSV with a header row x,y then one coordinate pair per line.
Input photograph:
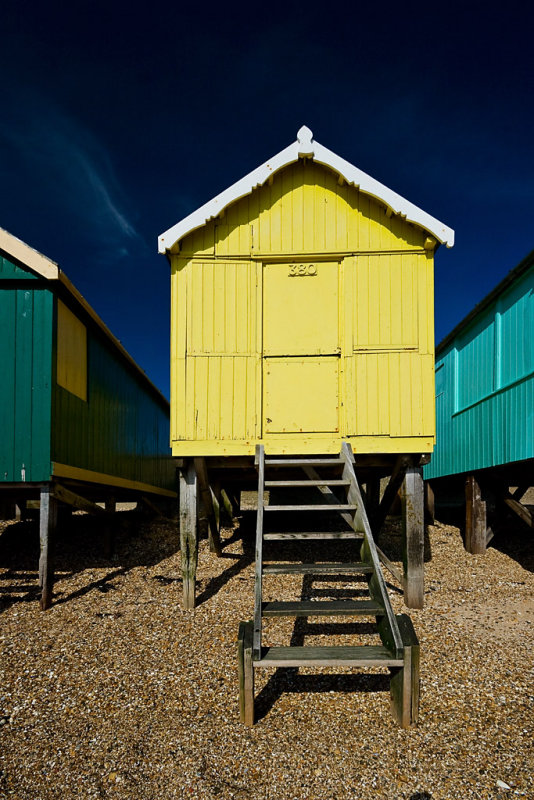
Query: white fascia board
x,y
398,204
240,189
27,256
43,266
305,147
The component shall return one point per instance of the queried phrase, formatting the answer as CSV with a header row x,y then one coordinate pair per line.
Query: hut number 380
x,y
302,270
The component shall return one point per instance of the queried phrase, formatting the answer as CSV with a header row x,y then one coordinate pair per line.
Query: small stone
x,y
503,785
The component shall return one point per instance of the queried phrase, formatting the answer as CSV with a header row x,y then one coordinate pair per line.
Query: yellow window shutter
x,y
71,352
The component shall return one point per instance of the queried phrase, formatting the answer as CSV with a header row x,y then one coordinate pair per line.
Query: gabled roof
x,y
306,147
34,262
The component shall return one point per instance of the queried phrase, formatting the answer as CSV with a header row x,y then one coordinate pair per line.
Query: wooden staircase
x,y
335,513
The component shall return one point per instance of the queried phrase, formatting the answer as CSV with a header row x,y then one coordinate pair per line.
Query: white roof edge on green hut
x,y
305,146
27,255
36,262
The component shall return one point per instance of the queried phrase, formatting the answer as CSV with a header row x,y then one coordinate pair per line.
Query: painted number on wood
x,y
302,270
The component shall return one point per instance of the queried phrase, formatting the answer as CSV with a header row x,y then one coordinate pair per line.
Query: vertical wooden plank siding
x,y
385,314
485,386
25,388
214,394
304,210
121,428
8,271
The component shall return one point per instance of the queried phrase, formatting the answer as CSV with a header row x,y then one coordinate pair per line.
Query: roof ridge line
x,y
305,146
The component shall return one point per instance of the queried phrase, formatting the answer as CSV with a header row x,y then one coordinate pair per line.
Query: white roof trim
x,y
43,266
305,146
31,258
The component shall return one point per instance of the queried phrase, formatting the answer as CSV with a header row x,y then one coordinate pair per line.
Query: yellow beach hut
x,y
302,318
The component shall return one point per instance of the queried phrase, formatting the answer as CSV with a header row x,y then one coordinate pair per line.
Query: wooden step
x,y
322,608
316,507
303,462
362,656
359,568
325,482
299,535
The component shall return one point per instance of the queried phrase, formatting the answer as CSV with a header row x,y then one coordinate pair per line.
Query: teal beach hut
x,y
485,407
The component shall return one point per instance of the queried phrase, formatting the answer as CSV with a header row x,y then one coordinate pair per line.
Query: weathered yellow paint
x,y
301,395
302,316
310,292
71,352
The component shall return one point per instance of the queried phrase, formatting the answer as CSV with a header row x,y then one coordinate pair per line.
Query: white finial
x,y
304,138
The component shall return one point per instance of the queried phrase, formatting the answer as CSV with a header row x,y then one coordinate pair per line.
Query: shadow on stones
x,y
82,542
243,531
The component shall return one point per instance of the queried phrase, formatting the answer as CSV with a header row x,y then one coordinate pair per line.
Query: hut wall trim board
x,y
78,474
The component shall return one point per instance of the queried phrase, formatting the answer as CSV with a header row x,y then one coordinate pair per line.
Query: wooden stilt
x,y
475,517
372,498
47,527
20,510
520,491
227,505
211,506
430,516
413,528
75,500
404,685
202,518
111,507
234,496
522,511
188,531
390,493
246,672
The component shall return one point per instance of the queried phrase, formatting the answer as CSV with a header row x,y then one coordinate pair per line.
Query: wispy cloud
x,y
66,165
101,182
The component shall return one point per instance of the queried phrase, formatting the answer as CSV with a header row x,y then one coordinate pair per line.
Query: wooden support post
x,y
404,685
413,528
246,672
392,569
430,516
372,498
475,517
202,518
188,531
151,506
47,528
522,511
390,493
72,499
211,506
520,491
234,496
227,505
110,507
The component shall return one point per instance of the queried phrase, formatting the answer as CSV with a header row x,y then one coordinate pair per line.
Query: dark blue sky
x,y
117,120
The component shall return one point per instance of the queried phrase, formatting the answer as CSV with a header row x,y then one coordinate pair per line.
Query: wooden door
x,y
301,348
